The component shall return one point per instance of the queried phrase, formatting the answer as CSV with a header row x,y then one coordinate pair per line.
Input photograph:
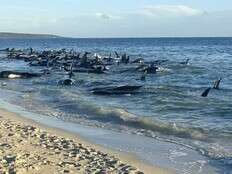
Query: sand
x,y
30,147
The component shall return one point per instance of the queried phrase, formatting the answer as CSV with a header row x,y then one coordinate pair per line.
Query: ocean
x,y
168,107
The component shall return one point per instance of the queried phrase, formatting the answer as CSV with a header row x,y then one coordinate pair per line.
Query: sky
x,y
118,18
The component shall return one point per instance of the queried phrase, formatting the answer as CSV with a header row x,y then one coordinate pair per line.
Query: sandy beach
x,y
29,147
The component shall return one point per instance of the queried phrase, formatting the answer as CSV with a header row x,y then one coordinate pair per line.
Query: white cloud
x,y
106,16
103,15
149,21
171,11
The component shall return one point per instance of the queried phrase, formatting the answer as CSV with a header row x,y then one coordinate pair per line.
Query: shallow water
x,y
169,105
157,152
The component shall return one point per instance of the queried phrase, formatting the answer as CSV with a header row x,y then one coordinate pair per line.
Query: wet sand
x,y
29,147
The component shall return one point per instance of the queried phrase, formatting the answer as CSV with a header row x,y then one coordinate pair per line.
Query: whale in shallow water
x,y
15,75
215,86
93,70
5,50
139,60
69,81
66,82
143,77
126,89
206,92
185,62
217,83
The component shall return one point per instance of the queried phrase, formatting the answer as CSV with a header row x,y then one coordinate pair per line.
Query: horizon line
x,y
113,37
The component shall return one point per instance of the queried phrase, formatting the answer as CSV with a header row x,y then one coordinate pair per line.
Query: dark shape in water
x,y
157,62
84,60
125,59
217,84
71,69
39,63
126,89
5,50
185,62
117,55
31,50
139,60
151,69
206,92
15,74
143,77
96,70
66,82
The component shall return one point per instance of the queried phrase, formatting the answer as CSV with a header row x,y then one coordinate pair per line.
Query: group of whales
x,y
71,61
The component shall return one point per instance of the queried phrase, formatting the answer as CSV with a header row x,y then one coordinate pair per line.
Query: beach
x,y
115,87
29,147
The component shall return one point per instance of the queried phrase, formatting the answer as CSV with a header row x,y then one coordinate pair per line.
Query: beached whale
x,y
125,89
15,75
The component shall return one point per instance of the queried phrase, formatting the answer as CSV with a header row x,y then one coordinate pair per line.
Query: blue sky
x,y
118,18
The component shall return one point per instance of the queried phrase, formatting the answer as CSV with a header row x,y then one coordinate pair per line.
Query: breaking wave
x,y
121,116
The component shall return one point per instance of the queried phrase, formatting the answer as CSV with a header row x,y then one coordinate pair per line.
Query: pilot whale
x,y
124,89
15,75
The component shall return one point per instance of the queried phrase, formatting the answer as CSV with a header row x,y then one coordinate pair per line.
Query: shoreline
x,y
135,164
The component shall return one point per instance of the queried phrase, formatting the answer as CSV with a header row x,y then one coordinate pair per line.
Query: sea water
x,y
168,108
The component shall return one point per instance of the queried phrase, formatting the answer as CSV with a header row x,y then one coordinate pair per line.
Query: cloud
x,y
171,11
145,21
106,16
103,15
